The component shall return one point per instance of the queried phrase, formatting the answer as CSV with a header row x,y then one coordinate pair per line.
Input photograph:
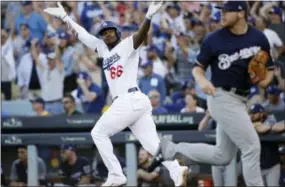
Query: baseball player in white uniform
x,y
130,107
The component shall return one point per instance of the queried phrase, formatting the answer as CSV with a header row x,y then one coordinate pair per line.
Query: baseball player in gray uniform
x,y
228,51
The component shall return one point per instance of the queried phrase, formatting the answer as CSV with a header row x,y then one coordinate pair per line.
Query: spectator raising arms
x,y
29,71
52,86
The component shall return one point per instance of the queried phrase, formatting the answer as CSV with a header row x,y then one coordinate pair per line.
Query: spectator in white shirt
x,y
276,44
8,71
28,72
191,105
52,86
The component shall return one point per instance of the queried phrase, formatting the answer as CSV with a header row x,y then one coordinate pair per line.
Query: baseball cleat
x,y
115,181
180,176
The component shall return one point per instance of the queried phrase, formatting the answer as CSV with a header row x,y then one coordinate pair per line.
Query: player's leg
x,y
235,129
225,175
219,154
231,173
232,113
118,117
145,131
218,175
273,176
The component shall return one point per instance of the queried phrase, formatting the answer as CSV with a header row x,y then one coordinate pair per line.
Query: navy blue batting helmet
x,y
109,25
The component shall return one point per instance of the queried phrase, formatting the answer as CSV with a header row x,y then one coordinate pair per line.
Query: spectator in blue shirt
x,y
37,24
89,93
152,81
154,97
89,12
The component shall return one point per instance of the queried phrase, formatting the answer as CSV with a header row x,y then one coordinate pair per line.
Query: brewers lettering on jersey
x,y
226,60
131,108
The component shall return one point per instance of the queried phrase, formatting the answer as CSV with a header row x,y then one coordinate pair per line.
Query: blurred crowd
x,y
42,60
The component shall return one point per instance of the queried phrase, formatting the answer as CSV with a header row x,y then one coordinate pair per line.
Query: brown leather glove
x,y
257,67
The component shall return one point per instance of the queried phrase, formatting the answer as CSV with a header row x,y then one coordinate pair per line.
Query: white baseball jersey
x,y
120,64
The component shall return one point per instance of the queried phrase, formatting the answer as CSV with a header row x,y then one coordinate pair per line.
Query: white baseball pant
x,y
131,110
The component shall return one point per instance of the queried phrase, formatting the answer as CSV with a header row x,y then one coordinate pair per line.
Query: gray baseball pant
x,y
234,130
227,175
271,176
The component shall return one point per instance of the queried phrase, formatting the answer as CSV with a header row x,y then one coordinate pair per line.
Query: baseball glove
x,y
257,67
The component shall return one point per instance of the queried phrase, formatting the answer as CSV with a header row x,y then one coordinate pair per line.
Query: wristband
x,y
64,17
147,19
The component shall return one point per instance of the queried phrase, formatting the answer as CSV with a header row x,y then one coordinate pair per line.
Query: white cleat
x,y
180,176
115,181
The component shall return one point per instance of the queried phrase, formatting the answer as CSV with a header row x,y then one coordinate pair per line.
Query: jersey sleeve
x,y
266,47
87,39
128,44
204,58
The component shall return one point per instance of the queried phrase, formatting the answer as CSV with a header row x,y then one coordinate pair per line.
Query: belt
x,y
130,90
240,92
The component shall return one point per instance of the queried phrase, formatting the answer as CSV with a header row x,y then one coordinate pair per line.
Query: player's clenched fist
x,y
56,11
207,87
153,9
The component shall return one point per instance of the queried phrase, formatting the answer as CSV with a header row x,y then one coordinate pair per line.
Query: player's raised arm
x,y
141,34
86,38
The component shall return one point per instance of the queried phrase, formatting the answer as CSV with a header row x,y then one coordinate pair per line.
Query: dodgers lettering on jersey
x,y
120,65
229,55
107,63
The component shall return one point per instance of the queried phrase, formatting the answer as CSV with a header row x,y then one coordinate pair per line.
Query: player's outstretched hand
x,y
207,87
153,9
56,11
